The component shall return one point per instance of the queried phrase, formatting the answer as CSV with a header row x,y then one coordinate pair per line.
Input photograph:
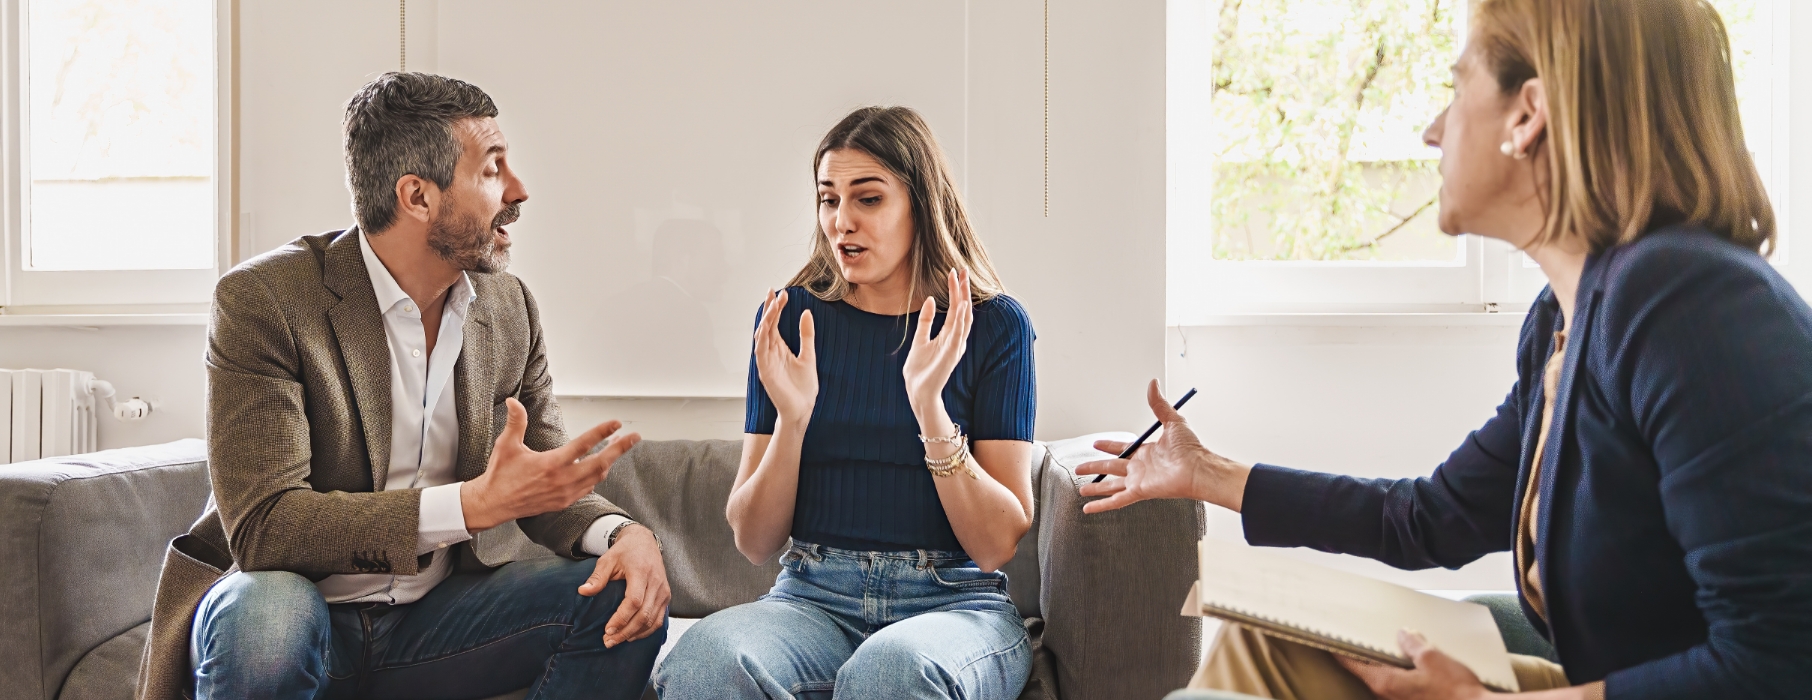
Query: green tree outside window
x,y
1319,107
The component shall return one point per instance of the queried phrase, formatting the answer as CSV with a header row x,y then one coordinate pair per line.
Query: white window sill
x,y
1358,320
105,316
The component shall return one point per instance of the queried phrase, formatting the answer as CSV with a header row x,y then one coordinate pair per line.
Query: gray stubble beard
x,y
470,244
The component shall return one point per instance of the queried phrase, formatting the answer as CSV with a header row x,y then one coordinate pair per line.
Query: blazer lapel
x,y
1532,393
472,383
1585,302
358,326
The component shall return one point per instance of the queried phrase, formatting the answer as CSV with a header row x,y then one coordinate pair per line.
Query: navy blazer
x,y
1676,505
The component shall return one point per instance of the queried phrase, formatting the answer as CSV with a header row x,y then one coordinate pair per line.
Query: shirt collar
x,y
390,294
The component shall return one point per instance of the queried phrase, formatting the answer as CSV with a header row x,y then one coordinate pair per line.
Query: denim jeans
x,y
845,624
268,634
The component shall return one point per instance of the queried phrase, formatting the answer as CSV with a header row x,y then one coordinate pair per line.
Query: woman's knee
x,y
263,613
707,651
752,648
921,660
884,662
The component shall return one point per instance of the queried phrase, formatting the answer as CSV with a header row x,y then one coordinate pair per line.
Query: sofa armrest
x,y
1113,584
81,544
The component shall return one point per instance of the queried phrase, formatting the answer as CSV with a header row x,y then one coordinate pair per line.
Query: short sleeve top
x,y
862,478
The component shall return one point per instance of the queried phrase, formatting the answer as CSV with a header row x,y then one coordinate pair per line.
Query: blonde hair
x,y
899,139
1643,129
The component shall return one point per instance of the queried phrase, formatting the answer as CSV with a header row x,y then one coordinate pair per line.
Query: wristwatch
x,y
611,540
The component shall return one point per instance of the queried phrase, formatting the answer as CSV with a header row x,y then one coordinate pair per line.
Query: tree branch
x,y
1401,222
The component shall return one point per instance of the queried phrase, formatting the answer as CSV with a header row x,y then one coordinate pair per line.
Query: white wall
x,y
598,111
1375,401
1091,273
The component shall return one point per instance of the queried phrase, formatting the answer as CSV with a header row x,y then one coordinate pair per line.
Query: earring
x,y
1509,149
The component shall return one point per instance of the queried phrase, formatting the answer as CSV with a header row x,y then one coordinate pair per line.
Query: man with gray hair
x,y
384,447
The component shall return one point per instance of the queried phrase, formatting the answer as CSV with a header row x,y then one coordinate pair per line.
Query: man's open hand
x,y
636,559
520,482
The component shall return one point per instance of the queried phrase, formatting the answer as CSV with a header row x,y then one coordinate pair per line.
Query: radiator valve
x,y
134,408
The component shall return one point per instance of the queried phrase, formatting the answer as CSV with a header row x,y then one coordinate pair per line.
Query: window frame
x,y
1487,276
114,291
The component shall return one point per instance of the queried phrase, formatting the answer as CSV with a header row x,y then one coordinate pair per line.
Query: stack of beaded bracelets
x,y
958,462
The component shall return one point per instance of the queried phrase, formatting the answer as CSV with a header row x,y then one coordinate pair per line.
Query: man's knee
x,y
592,614
274,616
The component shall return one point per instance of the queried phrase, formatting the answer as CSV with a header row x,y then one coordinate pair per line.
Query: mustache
x,y
511,212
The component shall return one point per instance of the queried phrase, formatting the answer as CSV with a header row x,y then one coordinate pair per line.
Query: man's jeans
x,y
268,634
854,625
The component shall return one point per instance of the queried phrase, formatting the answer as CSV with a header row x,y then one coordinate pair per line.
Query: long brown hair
x,y
1643,129
899,139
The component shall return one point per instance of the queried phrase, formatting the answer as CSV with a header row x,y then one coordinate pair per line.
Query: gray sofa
x,y
81,540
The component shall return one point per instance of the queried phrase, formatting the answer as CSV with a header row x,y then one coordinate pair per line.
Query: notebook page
x,y
1317,602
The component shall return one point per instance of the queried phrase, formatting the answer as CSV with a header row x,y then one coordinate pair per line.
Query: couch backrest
x,y
679,488
81,545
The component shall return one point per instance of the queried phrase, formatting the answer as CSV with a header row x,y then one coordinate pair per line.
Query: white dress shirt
x,y
424,440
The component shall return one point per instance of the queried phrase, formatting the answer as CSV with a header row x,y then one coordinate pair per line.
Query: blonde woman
x,y
890,411
1652,467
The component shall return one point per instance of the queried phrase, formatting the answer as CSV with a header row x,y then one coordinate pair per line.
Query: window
x,y
115,160
1298,180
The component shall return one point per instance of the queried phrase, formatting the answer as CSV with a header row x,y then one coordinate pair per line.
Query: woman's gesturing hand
x,y
1175,465
931,360
791,379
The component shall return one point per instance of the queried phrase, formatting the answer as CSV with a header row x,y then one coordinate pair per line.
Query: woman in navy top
x,y
890,411
1651,469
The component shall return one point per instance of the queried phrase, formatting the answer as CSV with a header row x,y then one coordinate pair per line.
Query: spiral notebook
x,y
1345,613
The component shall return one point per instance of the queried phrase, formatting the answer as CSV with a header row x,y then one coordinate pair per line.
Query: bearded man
x,y
384,445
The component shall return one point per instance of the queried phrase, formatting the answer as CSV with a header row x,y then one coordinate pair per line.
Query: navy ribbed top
x,y
862,478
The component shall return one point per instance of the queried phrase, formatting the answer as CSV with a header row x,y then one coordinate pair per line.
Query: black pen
x,y
1134,447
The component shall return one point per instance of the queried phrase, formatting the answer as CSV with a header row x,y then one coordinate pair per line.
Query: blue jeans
x,y
268,634
846,624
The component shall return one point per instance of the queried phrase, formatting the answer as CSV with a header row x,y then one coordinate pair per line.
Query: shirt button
x,y
443,545
415,353
409,308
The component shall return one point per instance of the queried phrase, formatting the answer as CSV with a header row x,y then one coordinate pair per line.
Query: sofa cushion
x,y
107,672
81,545
681,486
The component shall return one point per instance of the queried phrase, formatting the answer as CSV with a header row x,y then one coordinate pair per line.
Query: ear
x,y
416,198
1529,115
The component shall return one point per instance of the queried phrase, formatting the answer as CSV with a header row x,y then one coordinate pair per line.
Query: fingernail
x,y
610,630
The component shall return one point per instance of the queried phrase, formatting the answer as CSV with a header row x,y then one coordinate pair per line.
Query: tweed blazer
x,y
299,436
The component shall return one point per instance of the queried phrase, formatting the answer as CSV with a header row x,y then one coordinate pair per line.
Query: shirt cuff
x,y
597,537
443,519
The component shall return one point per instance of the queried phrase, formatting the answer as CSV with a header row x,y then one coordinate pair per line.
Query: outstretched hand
x,y
791,379
1175,465
520,482
931,360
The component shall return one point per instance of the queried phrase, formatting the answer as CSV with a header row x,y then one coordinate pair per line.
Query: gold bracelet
x,y
962,446
952,464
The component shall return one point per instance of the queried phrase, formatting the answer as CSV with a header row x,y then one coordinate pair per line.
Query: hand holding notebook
x,y
1344,613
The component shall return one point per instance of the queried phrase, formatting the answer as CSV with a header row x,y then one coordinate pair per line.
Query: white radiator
x,y
47,413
